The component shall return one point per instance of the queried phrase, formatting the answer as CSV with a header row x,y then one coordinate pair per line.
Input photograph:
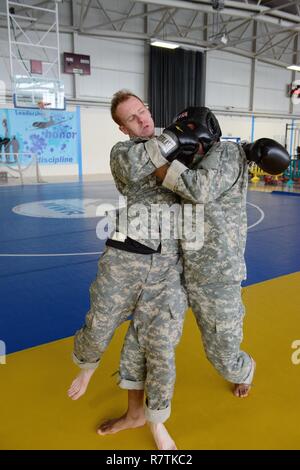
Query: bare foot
x,y
242,390
120,424
162,438
79,385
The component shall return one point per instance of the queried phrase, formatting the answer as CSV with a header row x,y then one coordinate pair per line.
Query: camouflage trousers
x,y
149,287
219,313
148,354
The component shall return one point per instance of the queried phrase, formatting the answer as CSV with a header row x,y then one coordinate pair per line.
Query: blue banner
x,y
53,136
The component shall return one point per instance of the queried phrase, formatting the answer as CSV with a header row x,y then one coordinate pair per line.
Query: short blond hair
x,y
118,98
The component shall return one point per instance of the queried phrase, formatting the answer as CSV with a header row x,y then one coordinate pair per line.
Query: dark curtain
x,y
176,80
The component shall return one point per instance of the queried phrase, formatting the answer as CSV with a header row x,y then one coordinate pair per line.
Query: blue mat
x,y
44,298
286,193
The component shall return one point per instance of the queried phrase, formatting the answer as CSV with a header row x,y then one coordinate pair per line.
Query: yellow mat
x,y
36,413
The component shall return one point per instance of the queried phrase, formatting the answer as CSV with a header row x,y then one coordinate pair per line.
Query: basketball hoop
x,y
38,93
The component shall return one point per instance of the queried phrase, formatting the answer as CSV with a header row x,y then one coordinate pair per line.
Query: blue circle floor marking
x,y
94,253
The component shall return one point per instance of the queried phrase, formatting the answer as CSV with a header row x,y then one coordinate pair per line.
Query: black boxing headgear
x,y
205,124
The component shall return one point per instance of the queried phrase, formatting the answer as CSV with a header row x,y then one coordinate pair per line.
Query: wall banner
x,y
53,136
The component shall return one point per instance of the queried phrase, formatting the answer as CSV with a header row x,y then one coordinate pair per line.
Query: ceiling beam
x,y
234,8
106,15
126,18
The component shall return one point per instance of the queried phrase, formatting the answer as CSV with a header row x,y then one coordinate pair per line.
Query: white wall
x,y
273,128
99,133
270,88
115,64
245,128
227,81
235,126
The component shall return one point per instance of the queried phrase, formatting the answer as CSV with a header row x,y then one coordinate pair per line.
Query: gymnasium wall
x,y
119,64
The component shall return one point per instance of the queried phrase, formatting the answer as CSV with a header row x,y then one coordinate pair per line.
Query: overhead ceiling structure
x,y
257,29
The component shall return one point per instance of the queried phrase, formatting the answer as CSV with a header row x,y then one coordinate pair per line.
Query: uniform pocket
x,y
177,297
177,311
178,303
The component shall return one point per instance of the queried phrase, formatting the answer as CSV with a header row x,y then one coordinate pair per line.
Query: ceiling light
x,y
224,39
294,67
166,44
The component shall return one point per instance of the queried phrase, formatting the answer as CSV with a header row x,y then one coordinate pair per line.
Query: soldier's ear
x,y
124,130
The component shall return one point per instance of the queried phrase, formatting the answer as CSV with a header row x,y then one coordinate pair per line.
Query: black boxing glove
x,y
187,160
176,139
268,155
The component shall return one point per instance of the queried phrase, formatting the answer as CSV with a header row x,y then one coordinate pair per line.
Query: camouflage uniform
x,y
147,359
213,272
147,285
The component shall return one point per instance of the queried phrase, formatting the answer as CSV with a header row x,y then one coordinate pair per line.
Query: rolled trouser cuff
x,y
130,384
250,376
84,365
157,416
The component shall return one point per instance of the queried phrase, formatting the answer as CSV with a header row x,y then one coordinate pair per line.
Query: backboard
x,y
30,92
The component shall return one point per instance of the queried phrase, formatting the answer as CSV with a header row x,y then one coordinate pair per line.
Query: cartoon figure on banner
x,y
15,146
4,142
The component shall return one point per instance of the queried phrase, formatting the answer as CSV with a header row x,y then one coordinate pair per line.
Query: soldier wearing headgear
x,y
217,179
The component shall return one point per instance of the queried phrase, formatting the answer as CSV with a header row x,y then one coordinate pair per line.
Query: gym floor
x,y
48,258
